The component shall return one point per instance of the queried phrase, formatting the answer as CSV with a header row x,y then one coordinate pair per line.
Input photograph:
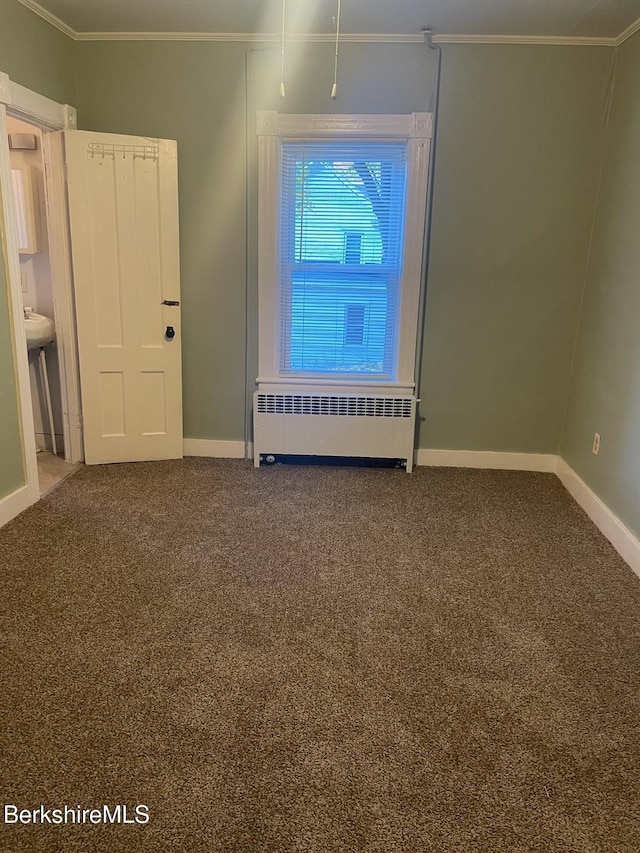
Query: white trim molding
x,y
35,108
272,128
63,303
50,18
544,462
327,126
327,386
214,449
349,38
352,38
15,503
21,102
566,41
257,38
8,233
623,540
631,30
320,38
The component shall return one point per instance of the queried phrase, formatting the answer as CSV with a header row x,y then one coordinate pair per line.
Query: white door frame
x,y
22,103
64,313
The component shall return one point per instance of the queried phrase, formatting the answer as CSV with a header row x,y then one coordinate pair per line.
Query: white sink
x,y
38,329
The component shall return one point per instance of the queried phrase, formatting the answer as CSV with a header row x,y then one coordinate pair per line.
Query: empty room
x,y
320,426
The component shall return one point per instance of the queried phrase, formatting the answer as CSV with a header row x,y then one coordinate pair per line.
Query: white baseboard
x,y
15,503
214,449
450,458
622,539
487,459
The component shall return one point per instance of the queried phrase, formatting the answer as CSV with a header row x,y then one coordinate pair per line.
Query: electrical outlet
x,y
596,444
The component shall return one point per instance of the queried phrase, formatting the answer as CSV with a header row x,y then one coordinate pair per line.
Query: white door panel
x,y
123,211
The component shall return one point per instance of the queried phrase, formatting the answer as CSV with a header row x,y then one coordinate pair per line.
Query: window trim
x,y
273,127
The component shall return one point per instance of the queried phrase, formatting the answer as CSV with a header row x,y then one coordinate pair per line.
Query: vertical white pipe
x,y
47,394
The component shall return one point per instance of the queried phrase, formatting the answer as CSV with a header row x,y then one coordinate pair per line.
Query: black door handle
x,y
170,302
170,333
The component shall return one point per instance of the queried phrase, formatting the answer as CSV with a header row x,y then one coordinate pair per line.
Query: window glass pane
x,y
340,256
354,324
352,247
325,336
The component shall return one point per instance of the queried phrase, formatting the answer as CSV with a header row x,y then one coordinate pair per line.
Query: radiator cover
x,y
365,425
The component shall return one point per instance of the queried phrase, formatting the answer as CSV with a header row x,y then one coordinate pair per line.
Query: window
x,y
328,189
340,224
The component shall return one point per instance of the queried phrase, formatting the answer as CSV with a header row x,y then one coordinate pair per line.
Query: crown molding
x,y
345,38
302,38
590,41
321,38
631,30
50,18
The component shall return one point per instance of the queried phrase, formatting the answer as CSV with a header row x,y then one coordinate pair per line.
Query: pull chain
x,y
284,9
334,88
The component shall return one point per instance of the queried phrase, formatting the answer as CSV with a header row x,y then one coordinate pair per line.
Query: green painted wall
x,y
12,474
192,92
196,93
35,55
605,391
519,149
520,141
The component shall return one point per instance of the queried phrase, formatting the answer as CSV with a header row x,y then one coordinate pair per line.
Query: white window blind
x,y
341,247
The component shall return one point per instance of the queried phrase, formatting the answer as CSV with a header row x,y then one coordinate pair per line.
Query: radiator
x,y
376,426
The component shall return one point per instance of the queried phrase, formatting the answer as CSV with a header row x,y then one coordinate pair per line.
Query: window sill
x,y
300,384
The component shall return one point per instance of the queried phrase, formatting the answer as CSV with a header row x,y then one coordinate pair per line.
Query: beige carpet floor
x,y
52,470
319,660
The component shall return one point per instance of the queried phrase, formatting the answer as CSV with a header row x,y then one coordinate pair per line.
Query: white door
x,y
123,216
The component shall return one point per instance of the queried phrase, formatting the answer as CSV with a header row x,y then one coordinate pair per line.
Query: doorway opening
x,y
25,142
116,297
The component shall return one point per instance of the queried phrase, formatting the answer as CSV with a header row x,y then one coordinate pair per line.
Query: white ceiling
x,y
565,18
